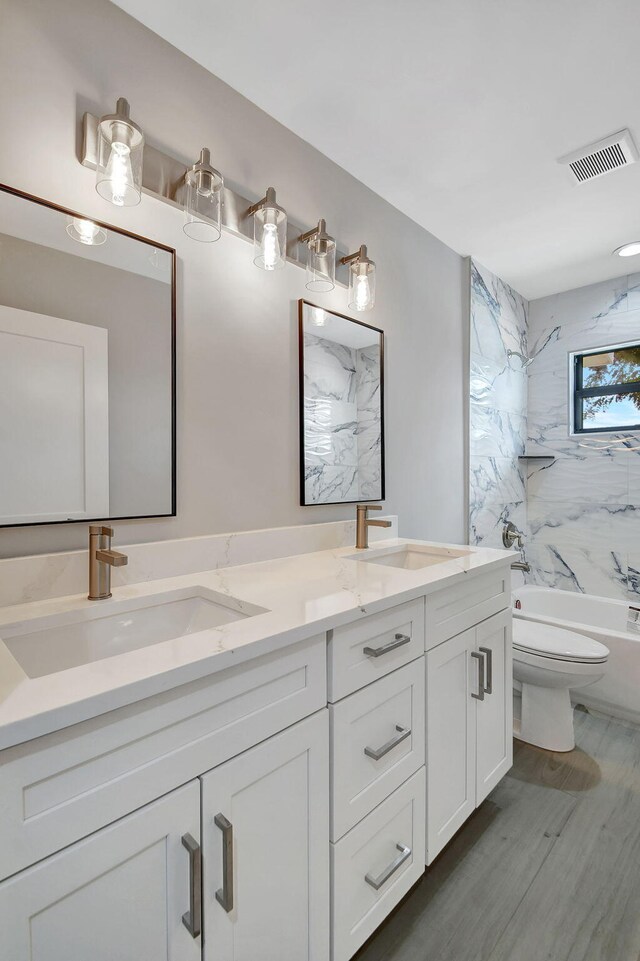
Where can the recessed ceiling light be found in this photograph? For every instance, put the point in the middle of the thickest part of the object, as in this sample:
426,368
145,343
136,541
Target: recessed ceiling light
628,250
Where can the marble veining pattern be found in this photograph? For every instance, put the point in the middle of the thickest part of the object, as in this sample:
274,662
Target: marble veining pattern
497,407
342,422
583,507
301,595
40,577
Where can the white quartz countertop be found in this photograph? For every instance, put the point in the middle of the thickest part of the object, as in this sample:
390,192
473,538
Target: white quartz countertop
303,595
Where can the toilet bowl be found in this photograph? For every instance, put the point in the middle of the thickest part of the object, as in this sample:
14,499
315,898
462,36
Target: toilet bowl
549,662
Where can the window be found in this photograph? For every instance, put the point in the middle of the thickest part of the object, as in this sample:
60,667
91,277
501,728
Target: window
606,389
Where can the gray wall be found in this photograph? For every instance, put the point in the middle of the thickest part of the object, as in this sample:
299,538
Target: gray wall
237,350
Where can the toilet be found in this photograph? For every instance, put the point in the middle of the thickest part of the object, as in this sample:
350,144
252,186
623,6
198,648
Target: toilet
548,662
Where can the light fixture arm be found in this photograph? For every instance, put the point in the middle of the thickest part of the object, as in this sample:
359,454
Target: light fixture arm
269,200
202,167
360,256
316,233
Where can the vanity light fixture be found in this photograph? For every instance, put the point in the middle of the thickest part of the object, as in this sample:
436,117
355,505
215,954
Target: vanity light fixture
321,259
362,280
203,201
119,158
269,232
628,250
86,232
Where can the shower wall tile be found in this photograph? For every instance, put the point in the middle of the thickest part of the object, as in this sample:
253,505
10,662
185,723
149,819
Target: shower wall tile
342,424
584,478
497,407
583,508
586,571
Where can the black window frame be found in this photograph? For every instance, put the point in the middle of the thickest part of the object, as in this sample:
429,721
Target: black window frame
580,392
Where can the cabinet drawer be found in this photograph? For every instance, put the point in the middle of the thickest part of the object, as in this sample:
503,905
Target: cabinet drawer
375,865
452,610
361,652
371,751
63,786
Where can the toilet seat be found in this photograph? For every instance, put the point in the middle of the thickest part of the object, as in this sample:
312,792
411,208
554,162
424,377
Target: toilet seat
556,643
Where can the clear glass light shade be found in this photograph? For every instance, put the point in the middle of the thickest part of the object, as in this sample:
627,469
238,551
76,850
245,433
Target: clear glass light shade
270,237
321,265
119,169
86,232
203,205
362,285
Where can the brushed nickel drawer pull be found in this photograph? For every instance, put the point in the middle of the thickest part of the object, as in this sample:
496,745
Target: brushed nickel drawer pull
224,895
192,920
488,687
399,641
376,883
377,753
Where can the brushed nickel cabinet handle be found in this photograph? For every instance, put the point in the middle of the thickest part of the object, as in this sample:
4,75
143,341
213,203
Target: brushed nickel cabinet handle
398,641
376,883
377,753
488,687
480,658
224,895
192,920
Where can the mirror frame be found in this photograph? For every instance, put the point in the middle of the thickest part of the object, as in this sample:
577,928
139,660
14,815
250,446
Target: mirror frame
172,253
366,500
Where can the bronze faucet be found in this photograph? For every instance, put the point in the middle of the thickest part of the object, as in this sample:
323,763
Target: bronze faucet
363,523
101,560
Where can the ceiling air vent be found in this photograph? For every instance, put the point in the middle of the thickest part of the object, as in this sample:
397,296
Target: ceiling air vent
602,157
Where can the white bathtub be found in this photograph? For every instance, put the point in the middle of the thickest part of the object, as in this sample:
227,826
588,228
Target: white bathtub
604,619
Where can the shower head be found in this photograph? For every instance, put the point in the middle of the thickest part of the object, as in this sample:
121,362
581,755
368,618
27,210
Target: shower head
525,361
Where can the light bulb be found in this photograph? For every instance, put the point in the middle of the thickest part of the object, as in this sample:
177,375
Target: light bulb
270,246
362,280
119,172
362,293
87,230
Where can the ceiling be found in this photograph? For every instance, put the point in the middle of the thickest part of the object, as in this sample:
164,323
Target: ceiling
455,111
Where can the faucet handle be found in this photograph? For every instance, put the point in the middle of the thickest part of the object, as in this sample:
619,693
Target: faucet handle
369,507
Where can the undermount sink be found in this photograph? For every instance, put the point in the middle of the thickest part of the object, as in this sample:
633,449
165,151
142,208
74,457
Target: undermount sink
47,645
410,557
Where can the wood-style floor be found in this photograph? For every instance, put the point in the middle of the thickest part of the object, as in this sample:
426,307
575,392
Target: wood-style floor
547,869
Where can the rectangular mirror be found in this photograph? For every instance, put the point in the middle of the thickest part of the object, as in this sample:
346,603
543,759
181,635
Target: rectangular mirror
341,408
87,368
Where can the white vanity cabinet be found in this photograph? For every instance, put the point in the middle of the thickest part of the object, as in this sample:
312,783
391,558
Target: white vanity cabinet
276,810
265,827
469,724
118,895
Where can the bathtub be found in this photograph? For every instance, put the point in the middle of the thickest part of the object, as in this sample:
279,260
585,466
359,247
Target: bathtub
604,619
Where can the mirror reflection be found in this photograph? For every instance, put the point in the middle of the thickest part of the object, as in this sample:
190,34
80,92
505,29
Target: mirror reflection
341,408
86,369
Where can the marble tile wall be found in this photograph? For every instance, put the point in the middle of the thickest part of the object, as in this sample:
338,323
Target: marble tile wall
584,506
342,423
497,411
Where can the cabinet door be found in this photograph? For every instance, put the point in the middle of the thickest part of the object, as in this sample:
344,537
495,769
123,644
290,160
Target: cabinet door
265,830
452,675
116,896
494,718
